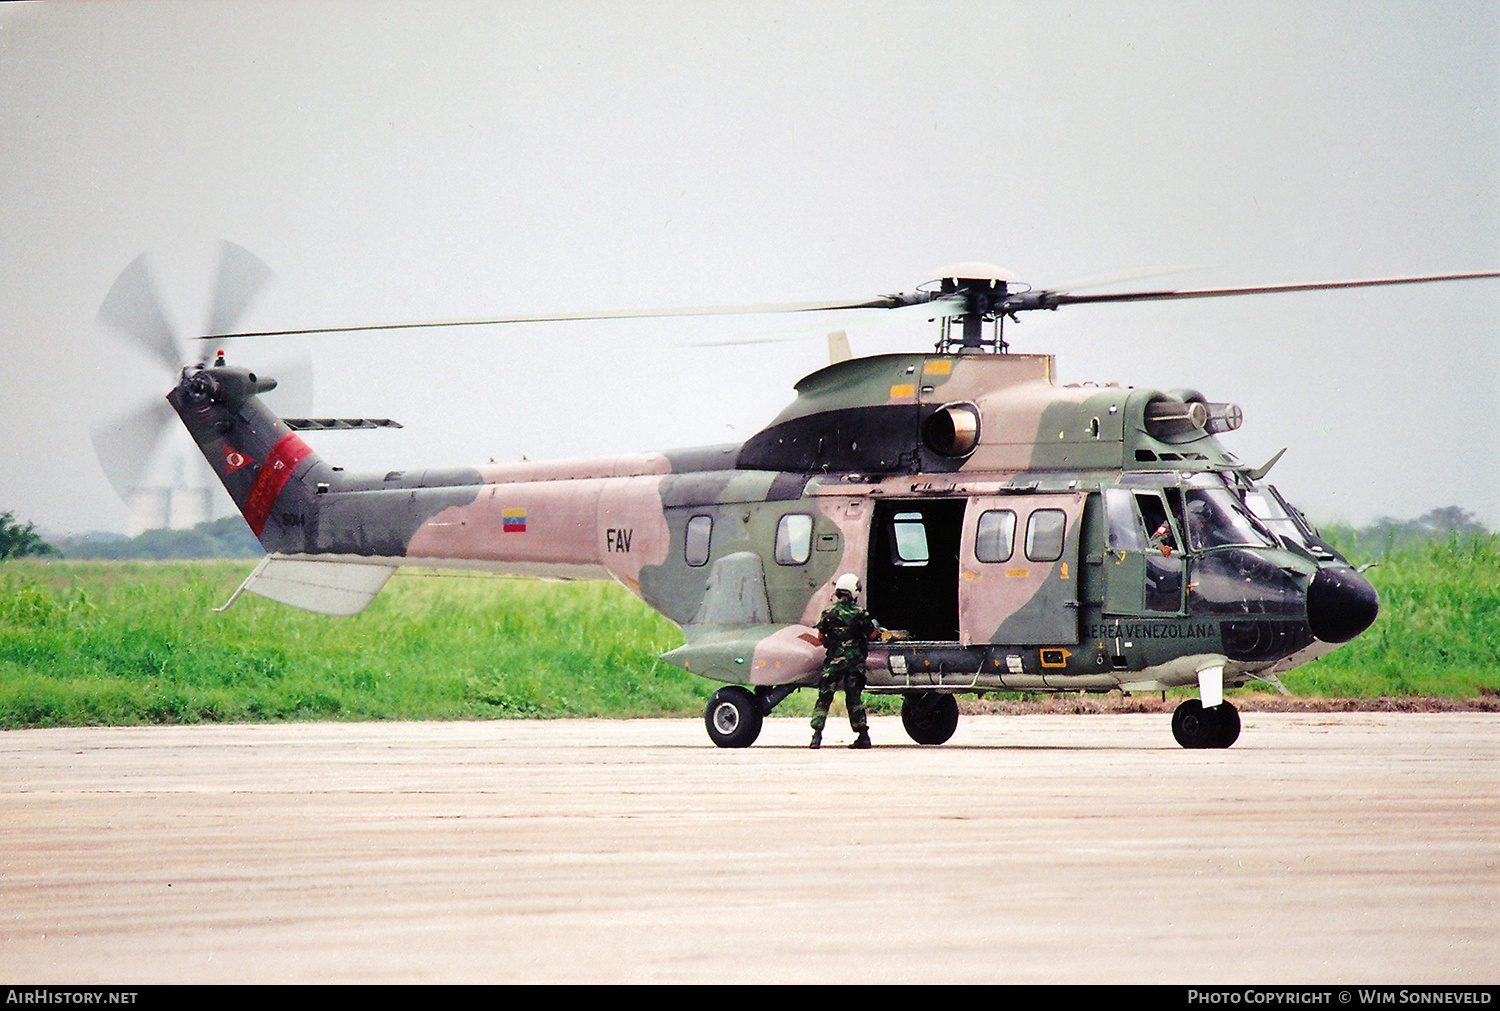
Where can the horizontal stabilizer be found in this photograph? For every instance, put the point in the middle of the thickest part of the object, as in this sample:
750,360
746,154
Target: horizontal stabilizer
324,587
337,424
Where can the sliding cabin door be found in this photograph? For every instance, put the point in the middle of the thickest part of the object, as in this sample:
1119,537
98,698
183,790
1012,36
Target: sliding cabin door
1018,571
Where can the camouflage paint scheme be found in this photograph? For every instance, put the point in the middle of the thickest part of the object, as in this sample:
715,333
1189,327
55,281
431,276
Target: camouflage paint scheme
740,545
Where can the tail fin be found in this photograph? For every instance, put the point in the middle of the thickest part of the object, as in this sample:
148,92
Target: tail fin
270,473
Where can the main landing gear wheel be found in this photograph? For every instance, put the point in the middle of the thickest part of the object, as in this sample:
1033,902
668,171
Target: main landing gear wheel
733,717
929,717
1197,727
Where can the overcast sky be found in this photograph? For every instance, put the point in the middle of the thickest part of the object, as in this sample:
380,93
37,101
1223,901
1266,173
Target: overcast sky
397,162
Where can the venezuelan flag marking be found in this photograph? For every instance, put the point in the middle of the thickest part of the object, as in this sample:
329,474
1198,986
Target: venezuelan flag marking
513,521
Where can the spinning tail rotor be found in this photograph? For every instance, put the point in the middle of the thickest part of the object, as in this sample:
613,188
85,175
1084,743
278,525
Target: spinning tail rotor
127,444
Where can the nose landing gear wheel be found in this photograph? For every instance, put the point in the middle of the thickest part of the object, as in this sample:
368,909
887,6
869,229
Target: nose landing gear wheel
1196,727
929,717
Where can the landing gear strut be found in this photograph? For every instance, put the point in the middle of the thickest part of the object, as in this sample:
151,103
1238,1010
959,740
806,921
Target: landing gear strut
1197,727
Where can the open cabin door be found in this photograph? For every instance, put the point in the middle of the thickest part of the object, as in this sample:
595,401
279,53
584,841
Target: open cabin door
1018,571
911,581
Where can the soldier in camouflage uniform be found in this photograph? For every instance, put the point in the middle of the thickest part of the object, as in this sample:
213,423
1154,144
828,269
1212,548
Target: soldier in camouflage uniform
846,629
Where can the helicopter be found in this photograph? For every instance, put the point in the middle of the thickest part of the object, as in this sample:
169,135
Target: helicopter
1023,536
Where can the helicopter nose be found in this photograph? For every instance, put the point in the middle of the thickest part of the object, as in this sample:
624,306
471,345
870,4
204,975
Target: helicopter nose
1340,604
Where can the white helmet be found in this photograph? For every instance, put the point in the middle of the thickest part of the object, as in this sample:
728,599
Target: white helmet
847,583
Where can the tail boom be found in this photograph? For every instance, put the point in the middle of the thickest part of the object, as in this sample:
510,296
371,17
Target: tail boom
585,520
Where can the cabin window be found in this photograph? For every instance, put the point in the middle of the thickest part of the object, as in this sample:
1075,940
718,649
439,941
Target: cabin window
1044,535
794,539
695,550
995,536
908,539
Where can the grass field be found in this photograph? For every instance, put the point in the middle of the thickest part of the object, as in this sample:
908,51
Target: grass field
137,642
1438,632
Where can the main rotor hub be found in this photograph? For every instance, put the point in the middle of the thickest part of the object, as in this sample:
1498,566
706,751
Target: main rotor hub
984,288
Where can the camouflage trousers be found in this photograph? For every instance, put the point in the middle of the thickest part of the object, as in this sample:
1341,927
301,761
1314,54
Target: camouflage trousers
852,681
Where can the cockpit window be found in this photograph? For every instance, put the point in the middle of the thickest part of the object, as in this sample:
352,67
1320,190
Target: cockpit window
1124,527
1216,519
1161,535
1269,512
1283,520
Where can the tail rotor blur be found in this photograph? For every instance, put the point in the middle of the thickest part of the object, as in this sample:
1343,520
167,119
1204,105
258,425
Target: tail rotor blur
127,444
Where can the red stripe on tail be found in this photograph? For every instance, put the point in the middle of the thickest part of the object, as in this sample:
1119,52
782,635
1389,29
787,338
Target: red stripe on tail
280,463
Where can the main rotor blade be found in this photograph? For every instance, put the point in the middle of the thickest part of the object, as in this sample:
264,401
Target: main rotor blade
936,304
241,277
882,302
126,444
933,306
133,308
1049,300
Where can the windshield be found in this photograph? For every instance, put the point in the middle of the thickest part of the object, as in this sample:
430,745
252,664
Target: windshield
1217,519
1285,521
1269,511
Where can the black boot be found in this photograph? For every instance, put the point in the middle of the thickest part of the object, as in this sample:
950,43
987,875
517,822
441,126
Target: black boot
862,741
817,741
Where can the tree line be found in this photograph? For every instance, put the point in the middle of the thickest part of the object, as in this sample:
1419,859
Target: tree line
227,537
1386,535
